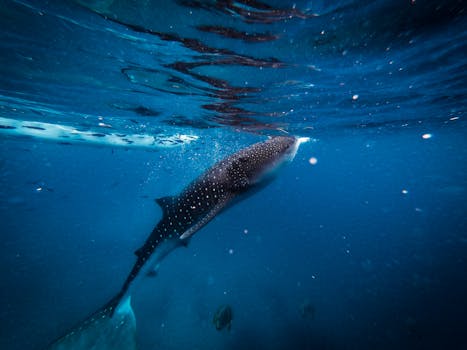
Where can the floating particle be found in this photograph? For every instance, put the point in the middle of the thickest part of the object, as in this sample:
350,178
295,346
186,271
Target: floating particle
245,231
355,97
427,136
313,161
404,191
103,125
231,251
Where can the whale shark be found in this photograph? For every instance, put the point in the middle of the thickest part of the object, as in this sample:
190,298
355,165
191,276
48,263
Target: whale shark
222,185
225,182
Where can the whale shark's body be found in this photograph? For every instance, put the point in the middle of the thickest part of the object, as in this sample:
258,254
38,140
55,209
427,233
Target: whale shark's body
208,195
183,215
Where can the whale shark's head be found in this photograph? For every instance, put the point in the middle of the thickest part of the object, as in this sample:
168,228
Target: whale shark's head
261,160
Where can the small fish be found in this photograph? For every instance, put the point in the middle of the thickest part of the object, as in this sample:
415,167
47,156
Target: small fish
223,317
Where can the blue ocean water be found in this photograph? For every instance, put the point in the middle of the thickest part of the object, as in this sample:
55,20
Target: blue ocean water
360,242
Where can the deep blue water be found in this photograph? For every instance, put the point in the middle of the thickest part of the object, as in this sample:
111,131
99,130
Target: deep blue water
373,236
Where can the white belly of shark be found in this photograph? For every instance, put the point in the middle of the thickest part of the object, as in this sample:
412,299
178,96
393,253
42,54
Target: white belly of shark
69,135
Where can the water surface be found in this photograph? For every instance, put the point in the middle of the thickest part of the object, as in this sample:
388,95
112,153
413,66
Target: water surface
372,236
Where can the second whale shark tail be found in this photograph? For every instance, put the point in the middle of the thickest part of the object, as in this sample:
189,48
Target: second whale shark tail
113,327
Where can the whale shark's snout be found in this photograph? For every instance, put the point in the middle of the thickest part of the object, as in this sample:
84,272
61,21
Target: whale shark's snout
295,143
262,160
287,145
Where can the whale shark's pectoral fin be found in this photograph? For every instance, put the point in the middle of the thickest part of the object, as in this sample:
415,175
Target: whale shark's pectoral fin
205,219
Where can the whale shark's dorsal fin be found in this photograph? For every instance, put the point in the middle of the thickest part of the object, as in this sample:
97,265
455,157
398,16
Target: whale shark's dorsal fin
165,203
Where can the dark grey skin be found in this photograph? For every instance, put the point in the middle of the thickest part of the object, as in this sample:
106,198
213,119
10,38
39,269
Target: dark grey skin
229,179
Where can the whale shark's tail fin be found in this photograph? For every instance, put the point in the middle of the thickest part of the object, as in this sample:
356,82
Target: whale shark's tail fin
112,327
